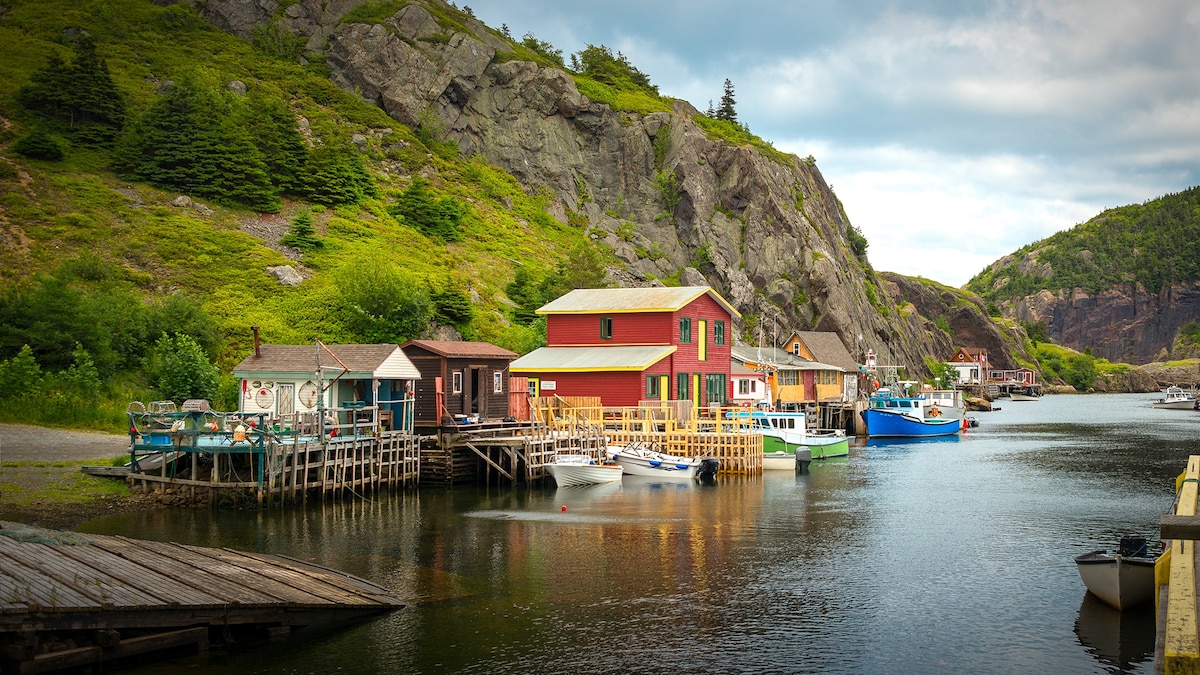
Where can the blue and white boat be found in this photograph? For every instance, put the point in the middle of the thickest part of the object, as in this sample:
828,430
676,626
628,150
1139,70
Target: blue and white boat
900,417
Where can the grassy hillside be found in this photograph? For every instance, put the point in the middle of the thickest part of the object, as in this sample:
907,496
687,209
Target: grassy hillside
1153,244
97,266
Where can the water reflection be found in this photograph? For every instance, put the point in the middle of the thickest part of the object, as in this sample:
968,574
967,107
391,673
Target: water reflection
951,555
1120,640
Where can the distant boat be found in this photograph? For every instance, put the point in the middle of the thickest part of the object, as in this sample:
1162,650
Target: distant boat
1176,399
902,417
1122,580
571,470
1021,396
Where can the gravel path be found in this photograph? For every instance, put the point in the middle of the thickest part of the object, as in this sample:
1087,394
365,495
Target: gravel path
27,443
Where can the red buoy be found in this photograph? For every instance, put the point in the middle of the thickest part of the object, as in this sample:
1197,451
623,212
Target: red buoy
564,508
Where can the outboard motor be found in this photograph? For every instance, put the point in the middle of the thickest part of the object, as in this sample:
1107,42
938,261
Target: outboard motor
707,472
1133,545
803,459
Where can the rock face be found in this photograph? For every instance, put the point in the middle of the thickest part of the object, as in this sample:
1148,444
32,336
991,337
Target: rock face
1123,323
763,229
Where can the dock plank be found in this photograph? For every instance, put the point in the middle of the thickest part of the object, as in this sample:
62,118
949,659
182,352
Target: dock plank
317,590
94,584
185,572
154,584
234,579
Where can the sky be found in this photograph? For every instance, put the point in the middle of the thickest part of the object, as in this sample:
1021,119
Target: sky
953,132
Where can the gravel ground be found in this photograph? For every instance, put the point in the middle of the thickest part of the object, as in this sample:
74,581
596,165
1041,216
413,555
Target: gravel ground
32,491
27,443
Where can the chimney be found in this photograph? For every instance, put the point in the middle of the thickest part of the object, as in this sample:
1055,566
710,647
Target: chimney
257,345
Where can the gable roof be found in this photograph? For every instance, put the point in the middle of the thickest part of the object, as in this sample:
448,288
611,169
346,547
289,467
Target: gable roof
780,359
827,347
589,359
363,361
459,349
627,300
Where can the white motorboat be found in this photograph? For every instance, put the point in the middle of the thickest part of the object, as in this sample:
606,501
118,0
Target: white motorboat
571,470
1123,579
638,460
1176,399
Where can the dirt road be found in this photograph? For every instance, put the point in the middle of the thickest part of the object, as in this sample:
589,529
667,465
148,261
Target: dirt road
27,443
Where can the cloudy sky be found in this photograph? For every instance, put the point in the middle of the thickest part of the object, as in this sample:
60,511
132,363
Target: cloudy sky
953,132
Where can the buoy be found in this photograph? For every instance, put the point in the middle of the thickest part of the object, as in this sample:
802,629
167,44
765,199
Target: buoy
564,508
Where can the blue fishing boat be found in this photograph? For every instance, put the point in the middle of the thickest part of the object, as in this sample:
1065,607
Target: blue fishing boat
900,417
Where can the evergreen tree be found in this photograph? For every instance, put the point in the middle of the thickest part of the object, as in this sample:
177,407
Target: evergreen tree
277,138
433,217
333,176
80,95
726,110
301,234
181,370
191,140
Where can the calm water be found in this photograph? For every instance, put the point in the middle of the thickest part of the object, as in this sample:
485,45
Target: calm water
916,557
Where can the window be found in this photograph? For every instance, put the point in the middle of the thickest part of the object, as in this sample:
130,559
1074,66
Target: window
652,386
682,386
788,378
744,387
456,382
606,327
796,348
714,385
498,382
718,332
685,330
828,377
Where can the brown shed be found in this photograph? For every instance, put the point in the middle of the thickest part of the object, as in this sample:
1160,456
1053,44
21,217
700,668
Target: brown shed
464,379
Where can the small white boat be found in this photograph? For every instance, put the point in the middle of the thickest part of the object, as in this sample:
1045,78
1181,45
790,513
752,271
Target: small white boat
1031,395
1122,580
637,460
571,470
1176,399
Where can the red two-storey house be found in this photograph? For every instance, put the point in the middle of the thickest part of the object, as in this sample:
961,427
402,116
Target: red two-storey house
627,345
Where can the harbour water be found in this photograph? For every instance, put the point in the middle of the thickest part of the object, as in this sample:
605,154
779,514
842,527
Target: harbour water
936,556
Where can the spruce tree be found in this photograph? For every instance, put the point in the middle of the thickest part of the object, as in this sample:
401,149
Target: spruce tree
80,96
726,110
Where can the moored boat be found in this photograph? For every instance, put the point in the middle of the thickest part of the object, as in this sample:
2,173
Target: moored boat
1122,580
1029,395
1176,398
638,460
902,417
785,432
571,470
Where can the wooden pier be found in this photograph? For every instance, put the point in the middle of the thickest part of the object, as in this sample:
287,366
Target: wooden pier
1177,640
206,456
73,601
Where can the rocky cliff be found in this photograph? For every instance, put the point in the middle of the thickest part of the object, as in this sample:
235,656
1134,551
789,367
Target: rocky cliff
1124,323
763,228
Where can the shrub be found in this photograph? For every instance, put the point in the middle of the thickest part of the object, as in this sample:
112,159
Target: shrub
40,145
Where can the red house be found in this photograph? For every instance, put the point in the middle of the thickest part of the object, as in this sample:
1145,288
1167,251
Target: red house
627,345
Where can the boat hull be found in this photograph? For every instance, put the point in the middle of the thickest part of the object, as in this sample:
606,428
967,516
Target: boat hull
569,475
635,462
1120,581
825,447
1175,405
779,461
887,424
1023,397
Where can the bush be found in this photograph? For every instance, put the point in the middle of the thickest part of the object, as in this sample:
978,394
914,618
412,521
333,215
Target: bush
180,369
40,145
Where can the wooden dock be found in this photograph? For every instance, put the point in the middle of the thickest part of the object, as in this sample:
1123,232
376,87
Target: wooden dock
1177,640
71,601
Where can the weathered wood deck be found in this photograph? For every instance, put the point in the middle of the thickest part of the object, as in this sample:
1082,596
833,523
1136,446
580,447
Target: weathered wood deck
1177,640
99,598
